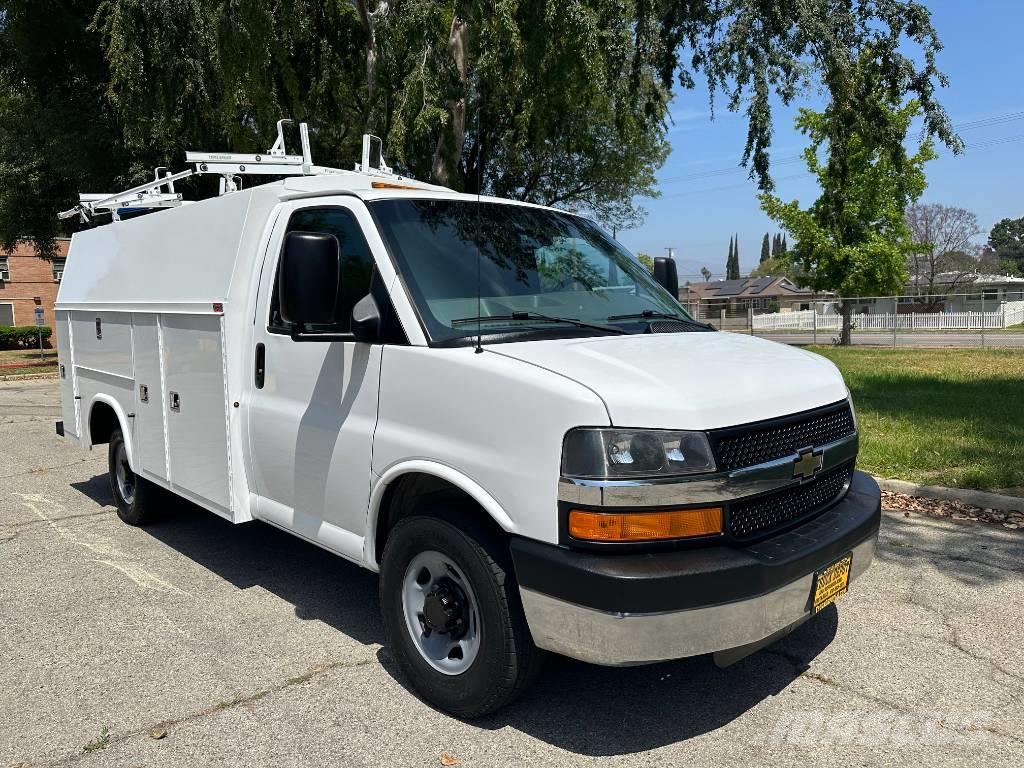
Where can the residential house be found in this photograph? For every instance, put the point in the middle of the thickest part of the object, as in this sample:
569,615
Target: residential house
955,292
738,297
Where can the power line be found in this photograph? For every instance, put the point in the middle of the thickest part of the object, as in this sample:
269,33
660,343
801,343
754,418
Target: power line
744,184
789,160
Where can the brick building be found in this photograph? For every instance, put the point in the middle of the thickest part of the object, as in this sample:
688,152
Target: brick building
28,281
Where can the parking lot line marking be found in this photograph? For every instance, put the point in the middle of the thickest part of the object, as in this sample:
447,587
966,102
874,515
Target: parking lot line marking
109,554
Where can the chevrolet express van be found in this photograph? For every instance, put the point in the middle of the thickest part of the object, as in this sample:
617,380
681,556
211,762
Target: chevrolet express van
492,404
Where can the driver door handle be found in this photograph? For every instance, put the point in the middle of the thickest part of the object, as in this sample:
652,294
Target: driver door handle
260,368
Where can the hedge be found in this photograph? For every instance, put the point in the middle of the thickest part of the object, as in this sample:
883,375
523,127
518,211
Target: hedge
14,336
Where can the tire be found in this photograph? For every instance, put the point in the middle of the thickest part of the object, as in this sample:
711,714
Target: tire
134,497
503,661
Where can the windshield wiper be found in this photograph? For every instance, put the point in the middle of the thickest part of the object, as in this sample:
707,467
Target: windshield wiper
516,316
649,314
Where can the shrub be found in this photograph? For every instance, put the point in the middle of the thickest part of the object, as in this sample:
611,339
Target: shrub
26,336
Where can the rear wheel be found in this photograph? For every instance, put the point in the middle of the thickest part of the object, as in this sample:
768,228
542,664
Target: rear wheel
133,495
452,615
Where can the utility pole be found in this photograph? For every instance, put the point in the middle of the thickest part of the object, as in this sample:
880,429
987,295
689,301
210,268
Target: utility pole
671,251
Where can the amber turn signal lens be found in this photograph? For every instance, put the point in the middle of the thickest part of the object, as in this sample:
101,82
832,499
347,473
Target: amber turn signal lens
644,526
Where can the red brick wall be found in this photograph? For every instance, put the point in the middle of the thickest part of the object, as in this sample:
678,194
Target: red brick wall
31,277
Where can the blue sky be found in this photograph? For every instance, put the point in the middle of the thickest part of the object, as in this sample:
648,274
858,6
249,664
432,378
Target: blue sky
706,197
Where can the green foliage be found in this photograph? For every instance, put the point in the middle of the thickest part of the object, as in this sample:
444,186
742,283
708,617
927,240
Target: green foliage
1007,240
57,130
553,101
853,240
766,249
778,266
647,260
20,336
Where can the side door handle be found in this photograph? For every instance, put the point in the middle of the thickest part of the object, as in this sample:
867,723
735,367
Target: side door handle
260,368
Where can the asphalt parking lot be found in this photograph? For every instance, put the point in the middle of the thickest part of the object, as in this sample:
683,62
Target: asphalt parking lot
194,642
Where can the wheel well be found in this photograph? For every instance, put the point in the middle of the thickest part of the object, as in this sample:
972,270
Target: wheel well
102,423
410,494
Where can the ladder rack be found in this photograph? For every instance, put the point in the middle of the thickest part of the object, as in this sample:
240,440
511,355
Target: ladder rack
276,161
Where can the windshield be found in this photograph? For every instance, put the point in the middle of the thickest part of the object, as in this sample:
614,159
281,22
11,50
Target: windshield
536,267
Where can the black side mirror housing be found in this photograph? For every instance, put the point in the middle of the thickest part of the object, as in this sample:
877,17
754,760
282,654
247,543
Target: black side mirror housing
310,278
666,275
366,320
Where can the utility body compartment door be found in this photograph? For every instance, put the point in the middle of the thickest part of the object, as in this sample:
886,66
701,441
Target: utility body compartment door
196,408
148,426
69,404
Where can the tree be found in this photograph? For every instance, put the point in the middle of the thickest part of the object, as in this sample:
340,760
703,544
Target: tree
553,102
706,274
943,241
765,250
854,239
1007,240
785,246
779,267
732,263
647,260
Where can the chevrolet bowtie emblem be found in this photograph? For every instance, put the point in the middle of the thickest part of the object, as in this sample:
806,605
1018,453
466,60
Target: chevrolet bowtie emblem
807,465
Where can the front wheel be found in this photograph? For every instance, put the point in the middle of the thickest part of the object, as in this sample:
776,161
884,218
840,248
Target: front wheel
133,495
452,615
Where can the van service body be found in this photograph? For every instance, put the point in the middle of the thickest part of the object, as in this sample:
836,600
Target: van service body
490,403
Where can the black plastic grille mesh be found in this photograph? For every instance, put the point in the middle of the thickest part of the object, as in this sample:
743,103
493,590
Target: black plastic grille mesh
675,326
738,447
767,513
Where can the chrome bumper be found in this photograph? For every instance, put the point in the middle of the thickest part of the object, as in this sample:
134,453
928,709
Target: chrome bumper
621,639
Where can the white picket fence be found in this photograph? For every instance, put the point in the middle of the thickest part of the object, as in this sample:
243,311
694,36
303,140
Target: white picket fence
1009,313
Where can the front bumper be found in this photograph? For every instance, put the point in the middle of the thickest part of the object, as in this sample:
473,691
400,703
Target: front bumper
638,608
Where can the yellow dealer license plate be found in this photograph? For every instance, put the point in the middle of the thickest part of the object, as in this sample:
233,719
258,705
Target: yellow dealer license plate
830,583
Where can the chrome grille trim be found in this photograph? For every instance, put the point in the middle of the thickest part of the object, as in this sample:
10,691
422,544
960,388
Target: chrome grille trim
699,489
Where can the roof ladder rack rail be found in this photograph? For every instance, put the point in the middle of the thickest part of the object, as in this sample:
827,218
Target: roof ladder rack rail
146,195
230,166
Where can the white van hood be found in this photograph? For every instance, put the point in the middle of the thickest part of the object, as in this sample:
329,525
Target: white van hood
688,380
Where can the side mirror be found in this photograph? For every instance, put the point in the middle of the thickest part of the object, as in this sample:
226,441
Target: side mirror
366,320
666,276
310,278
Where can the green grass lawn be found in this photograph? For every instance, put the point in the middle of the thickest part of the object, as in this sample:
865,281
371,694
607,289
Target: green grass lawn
950,417
29,357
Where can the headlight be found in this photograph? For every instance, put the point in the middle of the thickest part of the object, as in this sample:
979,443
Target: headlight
592,452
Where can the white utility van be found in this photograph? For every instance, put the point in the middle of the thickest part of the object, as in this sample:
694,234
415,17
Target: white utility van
493,404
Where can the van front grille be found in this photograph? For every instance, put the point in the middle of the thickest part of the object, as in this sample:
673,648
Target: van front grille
768,513
750,444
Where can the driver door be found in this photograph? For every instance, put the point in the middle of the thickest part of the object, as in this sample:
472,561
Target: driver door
314,401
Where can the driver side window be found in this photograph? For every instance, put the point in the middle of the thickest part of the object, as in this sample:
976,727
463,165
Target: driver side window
357,265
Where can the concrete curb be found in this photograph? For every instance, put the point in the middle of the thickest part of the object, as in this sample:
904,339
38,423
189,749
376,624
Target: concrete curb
28,376
982,499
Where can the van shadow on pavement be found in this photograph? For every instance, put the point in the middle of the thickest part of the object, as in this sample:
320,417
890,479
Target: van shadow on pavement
603,711
320,585
585,709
